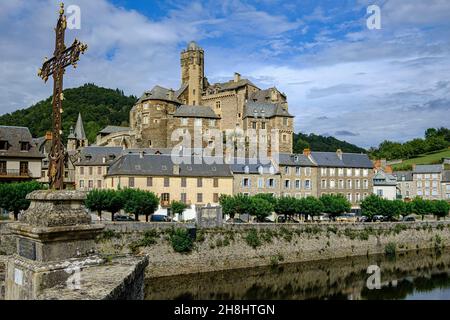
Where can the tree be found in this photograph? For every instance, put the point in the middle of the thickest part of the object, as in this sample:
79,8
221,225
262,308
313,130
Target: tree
286,206
228,205
140,202
114,202
97,200
440,208
178,207
12,196
260,208
372,206
335,205
312,206
422,207
242,204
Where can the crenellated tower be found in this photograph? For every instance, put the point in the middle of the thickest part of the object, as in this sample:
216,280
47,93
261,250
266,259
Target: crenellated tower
193,72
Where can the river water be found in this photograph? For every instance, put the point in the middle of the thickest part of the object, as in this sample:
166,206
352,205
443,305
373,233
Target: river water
412,275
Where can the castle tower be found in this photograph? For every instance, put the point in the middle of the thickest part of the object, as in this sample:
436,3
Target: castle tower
193,72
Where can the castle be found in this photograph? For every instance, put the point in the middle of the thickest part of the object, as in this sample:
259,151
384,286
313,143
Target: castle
236,104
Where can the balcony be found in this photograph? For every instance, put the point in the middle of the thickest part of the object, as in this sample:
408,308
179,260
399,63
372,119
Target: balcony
15,174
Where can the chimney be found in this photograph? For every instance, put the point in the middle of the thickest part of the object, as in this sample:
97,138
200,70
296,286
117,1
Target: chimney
388,169
48,135
170,94
273,95
141,154
176,169
307,152
414,166
339,153
237,77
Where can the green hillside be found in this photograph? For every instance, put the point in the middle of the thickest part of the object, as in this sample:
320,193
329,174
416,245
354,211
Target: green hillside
99,107
321,143
429,158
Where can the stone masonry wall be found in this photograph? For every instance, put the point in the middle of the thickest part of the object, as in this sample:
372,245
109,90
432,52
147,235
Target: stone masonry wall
242,246
7,242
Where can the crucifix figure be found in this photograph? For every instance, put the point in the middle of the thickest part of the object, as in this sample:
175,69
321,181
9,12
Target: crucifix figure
56,66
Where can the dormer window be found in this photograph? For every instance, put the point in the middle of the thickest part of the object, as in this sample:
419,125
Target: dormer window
24,146
3,145
246,170
112,157
88,157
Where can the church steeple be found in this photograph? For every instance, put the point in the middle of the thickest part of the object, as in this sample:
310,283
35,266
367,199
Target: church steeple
79,129
77,138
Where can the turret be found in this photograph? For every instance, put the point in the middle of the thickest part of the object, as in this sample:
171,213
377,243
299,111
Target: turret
193,72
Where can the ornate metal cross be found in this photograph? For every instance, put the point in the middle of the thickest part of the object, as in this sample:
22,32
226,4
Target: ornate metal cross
56,66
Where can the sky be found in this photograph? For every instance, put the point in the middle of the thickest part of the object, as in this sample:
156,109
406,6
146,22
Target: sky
343,79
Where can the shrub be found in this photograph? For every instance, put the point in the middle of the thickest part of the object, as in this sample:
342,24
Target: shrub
109,234
286,234
390,249
181,241
399,228
253,239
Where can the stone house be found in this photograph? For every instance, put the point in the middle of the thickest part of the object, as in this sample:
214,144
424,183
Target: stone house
349,174
406,188
251,177
385,185
427,180
194,184
445,185
298,175
20,159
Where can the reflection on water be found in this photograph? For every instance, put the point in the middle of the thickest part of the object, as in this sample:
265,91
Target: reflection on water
412,275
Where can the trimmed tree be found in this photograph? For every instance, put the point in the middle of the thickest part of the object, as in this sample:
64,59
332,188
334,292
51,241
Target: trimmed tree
422,207
140,202
12,196
260,208
242,204
114,202
312,206
335,205
178,207
286,206
97,200
440,209
228,205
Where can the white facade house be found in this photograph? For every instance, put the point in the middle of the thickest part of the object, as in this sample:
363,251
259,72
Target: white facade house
385,185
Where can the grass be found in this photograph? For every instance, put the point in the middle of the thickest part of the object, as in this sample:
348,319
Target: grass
428,158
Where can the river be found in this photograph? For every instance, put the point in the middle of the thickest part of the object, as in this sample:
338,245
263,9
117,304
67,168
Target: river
412,275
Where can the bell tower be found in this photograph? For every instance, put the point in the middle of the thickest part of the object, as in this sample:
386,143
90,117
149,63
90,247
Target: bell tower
193,72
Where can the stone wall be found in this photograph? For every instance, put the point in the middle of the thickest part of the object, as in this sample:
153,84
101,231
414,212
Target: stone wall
2,277
7,242
243,245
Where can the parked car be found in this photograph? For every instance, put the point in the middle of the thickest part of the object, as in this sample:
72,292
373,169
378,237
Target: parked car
265,220
346,217
378,218
123,218
288,219
364,219
160,218
409,219
236,220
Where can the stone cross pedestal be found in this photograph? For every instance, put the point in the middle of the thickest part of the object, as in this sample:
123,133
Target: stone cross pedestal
55,238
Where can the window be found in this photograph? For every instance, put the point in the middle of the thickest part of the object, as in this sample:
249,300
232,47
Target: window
198,122
307,171
183,182
99,170
365,172
23,168
263,125
284,137
81,170
99,184
349,197
271,183
357,197
323,171
166,182
366,184
419,192
341,184
91,171
358,184
90,184
215,182
427,176
212,123
297,184
357,172
380,192
81,183
323,184
260,183
341,172
217,104
332,171
165,197
183,197
4,172
419,184
287,170
287,184
131,182
3,145
199,197
24,146
435,176
332,184
253,125
215,197
298,171
199,182
349,172
184,121
308,184
149,182
145,119
349,184
246,182
285,121
155,121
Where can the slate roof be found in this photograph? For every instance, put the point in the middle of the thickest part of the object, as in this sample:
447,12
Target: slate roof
428,168
403,174
382,178
158,93
79,129
14,136
267,110
288,159
91,156
114,129
349,160
162,165
195,112
252,166
231,85
263,95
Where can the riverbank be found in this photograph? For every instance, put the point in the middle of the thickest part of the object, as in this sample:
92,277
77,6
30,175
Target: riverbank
247,245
